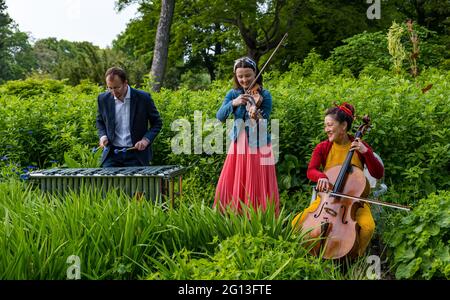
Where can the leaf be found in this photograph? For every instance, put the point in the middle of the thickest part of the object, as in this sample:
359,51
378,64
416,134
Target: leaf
433,229
286,181
442,253
423,240
447,271
396,239
275,274
429,268
419,228
403,254
408,220
444,221
70,162
406,271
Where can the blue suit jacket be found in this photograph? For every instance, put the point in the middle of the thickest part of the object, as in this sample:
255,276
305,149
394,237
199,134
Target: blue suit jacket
142,111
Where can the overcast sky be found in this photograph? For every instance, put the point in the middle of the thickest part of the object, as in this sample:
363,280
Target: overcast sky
95,21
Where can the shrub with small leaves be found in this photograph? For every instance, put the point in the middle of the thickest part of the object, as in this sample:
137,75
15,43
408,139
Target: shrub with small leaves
419,242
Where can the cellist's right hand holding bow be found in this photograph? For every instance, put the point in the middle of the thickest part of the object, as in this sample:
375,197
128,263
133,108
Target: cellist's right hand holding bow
323,185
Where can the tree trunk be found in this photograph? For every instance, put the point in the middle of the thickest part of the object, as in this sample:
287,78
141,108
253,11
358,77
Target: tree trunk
272,36
160,52
209,64
420,10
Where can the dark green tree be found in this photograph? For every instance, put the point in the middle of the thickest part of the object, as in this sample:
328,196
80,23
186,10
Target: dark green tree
432,14
16,59
75,61
364,49
207,36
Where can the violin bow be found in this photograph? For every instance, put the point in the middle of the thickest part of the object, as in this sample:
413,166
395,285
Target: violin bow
260,72
267,62
393,205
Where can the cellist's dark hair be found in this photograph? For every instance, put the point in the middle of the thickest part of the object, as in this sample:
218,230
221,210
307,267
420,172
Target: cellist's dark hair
245,62
339,115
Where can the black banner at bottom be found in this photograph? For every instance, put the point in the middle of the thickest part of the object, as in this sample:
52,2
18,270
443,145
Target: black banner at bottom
214,289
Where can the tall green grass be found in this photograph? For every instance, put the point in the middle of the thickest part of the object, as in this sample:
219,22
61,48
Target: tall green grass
117,237
110,234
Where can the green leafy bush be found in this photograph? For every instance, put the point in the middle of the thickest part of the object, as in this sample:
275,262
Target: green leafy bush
371,49
33,87
362,50
419,242
83,157
407,131
245,257
39,128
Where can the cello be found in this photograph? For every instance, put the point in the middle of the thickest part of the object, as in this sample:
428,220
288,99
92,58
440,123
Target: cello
333,223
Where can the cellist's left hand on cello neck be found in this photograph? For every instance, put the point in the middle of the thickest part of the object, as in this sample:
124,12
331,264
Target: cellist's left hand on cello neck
359,146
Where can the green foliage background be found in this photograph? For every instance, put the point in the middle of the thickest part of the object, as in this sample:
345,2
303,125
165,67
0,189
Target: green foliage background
206,37
48,120
44,121
420,241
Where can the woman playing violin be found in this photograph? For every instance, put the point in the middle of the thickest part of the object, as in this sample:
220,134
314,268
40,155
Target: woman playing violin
332,152
248,175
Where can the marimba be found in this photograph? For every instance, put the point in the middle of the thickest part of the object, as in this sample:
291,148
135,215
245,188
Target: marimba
152,182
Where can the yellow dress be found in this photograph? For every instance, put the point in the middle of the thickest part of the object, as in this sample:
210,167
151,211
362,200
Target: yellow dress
364,218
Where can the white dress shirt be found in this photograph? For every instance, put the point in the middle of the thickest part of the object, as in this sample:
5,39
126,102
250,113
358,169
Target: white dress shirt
122,121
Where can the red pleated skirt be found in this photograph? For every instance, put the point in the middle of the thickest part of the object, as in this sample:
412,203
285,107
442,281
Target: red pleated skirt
248,177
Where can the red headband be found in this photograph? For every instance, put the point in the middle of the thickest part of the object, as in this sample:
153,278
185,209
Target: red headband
345,109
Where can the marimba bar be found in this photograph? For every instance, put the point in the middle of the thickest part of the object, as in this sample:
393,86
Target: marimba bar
152,182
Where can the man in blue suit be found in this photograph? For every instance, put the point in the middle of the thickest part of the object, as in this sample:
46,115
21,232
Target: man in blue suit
123,119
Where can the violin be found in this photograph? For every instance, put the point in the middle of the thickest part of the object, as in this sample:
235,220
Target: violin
333,223
254,89
255,99
255,93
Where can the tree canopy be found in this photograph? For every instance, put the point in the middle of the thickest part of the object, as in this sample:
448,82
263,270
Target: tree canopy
205,38
16,59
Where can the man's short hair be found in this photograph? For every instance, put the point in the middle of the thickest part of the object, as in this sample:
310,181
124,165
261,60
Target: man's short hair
116,71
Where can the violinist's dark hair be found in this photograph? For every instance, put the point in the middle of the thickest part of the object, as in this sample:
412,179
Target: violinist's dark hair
245,62
339,114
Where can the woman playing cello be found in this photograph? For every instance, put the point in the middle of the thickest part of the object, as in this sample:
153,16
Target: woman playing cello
332,152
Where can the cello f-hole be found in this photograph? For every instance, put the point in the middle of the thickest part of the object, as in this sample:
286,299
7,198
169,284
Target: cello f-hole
320,211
